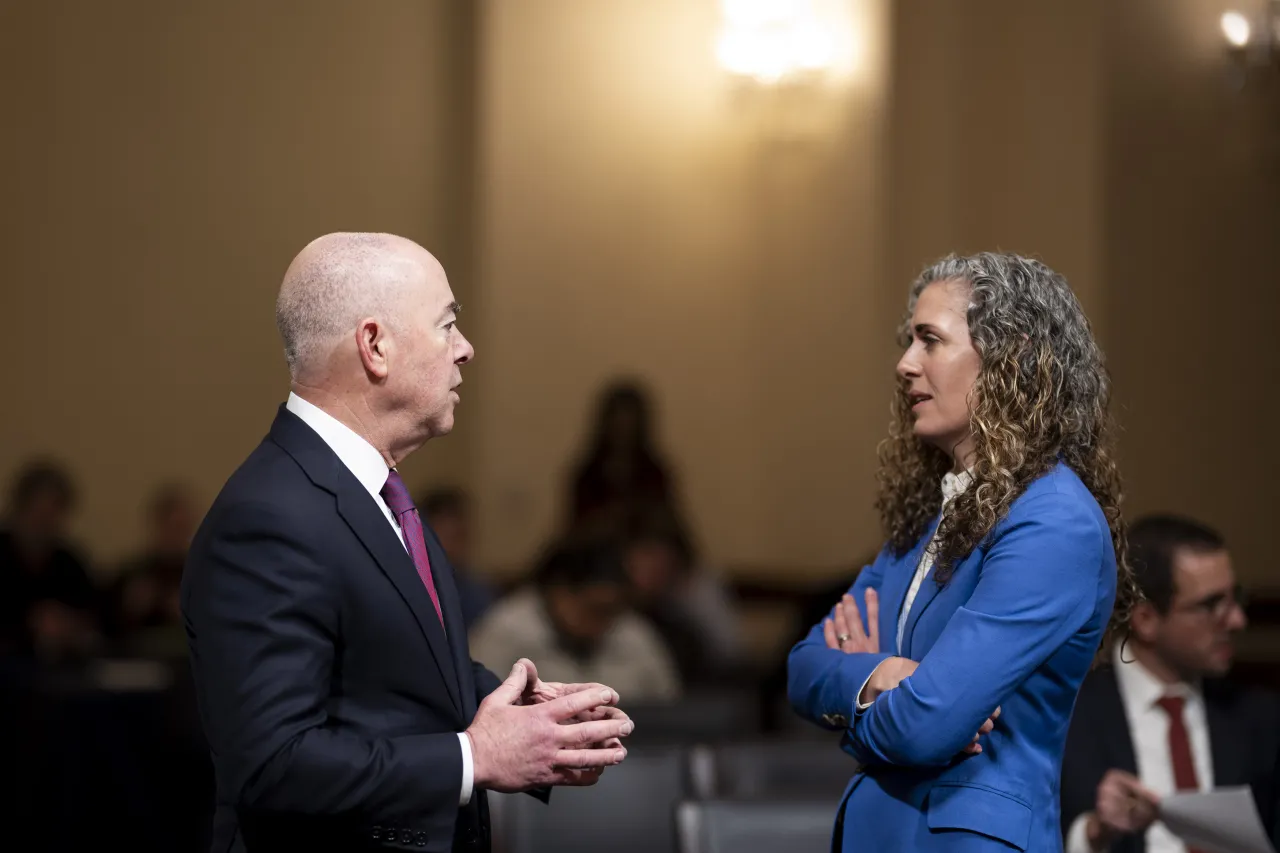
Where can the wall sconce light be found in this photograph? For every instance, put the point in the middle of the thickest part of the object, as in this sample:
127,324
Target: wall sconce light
774,40
1253,43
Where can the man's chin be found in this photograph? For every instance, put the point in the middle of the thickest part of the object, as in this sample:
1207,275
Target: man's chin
441,426
1220,663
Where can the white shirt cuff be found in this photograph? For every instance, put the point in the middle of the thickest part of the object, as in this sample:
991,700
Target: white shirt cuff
468,769
858,706
1077,838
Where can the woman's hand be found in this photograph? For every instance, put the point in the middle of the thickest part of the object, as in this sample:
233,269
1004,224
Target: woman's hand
844,631
889,674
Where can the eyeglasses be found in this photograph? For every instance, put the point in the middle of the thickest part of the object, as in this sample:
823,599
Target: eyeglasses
1219,605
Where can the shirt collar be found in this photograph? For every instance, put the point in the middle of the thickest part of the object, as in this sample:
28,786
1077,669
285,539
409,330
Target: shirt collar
1141,690
360,457
955,484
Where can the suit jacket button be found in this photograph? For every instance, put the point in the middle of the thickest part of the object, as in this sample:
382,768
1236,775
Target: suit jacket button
377,833
838,720
420,838
406,836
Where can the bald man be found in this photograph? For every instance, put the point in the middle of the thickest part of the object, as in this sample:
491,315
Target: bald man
342,707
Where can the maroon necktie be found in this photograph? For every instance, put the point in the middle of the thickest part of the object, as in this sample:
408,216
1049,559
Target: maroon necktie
1184,768
401,504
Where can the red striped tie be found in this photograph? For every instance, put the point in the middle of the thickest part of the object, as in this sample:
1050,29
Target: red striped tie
401,504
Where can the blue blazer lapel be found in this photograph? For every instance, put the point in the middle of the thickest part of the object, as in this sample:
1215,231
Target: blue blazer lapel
894,594
924,597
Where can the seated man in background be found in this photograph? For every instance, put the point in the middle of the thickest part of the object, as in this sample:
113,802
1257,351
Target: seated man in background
1162,718
448,512
574,621
143,600
48,604
690,606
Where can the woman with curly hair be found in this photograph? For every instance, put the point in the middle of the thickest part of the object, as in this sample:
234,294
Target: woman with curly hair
953,663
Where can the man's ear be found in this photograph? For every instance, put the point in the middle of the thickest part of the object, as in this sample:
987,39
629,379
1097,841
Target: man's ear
373,346
1145,621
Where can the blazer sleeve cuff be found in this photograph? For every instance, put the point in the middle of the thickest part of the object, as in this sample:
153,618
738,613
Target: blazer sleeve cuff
860,707
840,692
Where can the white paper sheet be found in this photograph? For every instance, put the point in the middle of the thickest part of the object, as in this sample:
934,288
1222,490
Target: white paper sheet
1221,821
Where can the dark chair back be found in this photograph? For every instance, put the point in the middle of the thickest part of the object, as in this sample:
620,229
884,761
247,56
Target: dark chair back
757,826
630,810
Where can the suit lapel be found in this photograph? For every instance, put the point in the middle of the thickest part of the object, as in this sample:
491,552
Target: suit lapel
1224,741
928,591
451,605
371,526
1114,731
363,515
901,583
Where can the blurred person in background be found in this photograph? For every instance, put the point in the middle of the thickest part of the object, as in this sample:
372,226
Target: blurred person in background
448,512
1162,716
622,471
575,619
144,597
692,608
49,606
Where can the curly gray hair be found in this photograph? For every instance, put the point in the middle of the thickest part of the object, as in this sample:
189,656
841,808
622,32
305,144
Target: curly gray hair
1014,297
1041,396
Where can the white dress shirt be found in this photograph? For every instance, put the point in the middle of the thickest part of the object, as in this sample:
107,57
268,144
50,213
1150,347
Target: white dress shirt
366,463
1149,728
952,485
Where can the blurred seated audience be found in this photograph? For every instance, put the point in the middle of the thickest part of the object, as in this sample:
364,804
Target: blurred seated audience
575,624
691,608
621,471
1163,717
48,604
813,605
142,602
448,513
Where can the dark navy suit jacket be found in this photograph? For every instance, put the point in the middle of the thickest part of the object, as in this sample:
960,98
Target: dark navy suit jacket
329,692
1017,626
1244,743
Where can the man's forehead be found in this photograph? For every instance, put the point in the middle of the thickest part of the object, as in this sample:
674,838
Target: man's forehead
438,286
1197,571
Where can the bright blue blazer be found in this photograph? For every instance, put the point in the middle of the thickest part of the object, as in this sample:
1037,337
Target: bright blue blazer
1017,627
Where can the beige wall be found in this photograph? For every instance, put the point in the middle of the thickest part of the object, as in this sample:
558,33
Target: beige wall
640,214
1104,137
996,128
167,162
1193,205
633,211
